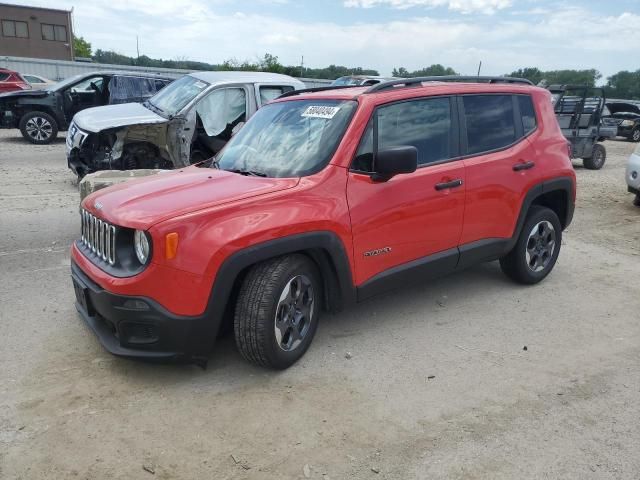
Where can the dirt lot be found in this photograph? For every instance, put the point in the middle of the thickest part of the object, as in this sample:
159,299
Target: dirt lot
439,384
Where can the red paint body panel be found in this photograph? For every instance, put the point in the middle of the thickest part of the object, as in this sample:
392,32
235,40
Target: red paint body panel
13,82
405,214
218,213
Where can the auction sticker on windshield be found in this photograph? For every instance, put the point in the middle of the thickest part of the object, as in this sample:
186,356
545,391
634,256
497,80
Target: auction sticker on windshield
319,111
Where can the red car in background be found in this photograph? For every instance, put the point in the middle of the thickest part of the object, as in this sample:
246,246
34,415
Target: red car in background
11,81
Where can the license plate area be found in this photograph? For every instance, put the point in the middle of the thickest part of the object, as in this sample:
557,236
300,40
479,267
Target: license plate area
82,297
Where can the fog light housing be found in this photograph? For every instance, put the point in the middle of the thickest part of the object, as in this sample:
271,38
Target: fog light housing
139,333
135,305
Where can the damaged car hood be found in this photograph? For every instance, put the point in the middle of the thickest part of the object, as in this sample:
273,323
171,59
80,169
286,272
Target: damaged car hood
24,93
150,200
97,119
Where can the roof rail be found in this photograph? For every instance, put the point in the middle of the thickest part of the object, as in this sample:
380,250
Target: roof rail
411,82
316,89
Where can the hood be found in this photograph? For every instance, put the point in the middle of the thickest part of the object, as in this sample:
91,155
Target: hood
96,119
144,202
621,107
24,93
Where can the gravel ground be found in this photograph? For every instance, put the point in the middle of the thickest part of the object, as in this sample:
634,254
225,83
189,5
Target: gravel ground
438,385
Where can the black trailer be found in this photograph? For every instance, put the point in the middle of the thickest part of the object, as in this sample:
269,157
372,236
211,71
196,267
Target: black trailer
579,109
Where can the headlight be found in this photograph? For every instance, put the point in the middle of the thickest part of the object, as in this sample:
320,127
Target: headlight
141,246
627,123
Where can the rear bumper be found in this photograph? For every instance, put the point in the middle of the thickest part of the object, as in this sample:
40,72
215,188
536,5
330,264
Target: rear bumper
138,327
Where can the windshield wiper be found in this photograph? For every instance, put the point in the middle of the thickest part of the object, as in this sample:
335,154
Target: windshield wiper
147,103
248,173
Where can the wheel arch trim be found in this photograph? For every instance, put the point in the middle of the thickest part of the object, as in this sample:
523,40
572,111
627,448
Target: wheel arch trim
560,184
324,248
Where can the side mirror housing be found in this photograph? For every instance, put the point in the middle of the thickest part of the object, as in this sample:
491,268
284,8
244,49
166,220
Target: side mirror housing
393,161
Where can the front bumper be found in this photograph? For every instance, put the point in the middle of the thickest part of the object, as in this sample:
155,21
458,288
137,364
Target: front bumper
7,119
625,131
633,174
138,327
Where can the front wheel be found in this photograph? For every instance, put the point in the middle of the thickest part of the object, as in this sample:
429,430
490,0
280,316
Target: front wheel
635,135
537,248
277,311
597,158
39,128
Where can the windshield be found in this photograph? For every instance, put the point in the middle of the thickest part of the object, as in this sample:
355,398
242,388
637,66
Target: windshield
175,96
288,139
66,82
346,81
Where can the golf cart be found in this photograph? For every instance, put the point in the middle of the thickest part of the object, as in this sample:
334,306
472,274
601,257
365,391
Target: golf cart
579,109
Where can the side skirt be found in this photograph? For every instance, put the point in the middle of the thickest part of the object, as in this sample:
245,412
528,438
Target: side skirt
434,266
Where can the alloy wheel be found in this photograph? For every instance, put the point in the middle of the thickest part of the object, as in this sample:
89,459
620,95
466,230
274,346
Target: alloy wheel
540,246
294,313
635,136
39,128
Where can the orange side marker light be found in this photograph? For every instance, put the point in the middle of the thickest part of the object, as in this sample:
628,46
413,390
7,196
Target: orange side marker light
171,245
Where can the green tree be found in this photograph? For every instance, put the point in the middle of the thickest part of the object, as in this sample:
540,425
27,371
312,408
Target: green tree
435,70
559,77
81,48
535,75
624,85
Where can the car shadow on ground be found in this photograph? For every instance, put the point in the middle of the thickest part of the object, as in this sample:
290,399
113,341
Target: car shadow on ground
227,365
20,140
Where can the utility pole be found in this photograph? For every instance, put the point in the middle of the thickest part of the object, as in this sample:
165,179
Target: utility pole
302,67
479,67
137,50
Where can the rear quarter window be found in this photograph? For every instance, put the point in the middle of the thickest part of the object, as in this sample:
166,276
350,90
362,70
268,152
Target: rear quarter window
3,77
527,113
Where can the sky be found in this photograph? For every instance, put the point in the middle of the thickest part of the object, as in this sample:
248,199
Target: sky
380,34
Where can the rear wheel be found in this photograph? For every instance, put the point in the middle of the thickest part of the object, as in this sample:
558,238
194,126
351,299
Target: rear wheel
537,248
597,159
39,128
277,311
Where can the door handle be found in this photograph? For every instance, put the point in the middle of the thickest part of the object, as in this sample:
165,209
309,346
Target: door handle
518,167
451,184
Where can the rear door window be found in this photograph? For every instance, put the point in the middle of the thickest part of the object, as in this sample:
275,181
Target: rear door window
489,122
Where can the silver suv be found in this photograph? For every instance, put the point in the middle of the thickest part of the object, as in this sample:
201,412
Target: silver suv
633,175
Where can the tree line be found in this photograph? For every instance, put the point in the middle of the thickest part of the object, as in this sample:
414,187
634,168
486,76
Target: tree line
268,63
624,84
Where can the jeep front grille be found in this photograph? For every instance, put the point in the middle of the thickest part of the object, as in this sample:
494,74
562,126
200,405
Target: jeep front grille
99,237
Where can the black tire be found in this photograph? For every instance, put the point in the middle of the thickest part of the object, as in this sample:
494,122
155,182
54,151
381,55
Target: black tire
635,135
39,128
597,158
517,265
636,201
260,302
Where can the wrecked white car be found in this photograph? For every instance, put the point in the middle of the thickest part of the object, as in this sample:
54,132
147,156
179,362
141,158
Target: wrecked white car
188,121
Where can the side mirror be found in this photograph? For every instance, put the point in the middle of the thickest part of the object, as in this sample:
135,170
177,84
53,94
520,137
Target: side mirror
394,161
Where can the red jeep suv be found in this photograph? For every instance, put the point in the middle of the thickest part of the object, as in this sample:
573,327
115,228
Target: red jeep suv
326,197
